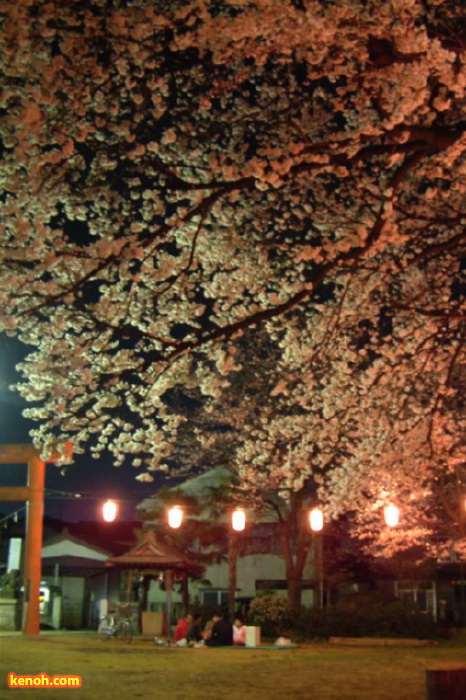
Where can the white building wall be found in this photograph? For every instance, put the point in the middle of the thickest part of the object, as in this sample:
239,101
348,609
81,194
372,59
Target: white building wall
250,569
258,567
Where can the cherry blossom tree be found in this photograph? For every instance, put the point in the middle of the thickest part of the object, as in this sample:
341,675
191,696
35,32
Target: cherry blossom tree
176,175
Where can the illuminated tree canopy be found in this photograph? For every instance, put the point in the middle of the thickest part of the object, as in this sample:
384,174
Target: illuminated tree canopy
179,176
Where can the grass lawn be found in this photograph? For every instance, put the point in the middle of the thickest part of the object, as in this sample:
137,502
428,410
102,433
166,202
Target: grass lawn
111,670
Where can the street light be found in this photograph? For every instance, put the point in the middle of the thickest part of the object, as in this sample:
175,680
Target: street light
316,521
238,524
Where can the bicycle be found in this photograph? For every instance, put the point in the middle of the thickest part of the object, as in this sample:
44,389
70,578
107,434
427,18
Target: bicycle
117,623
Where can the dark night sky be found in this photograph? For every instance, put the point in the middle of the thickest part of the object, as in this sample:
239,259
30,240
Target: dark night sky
95,480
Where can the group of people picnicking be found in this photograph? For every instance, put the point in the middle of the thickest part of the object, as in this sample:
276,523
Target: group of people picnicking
218,632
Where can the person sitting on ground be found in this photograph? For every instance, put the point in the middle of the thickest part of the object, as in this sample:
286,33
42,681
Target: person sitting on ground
195,630
180,636
222,634
208,628
239,632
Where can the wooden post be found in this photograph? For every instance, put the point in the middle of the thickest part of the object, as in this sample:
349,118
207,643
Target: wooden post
232,565
185,591
319,584
169,594
447,683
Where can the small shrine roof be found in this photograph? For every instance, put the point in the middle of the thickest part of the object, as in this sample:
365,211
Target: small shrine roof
153,553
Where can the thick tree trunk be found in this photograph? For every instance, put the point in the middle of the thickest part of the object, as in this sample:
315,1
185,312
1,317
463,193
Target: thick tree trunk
295,590
295,543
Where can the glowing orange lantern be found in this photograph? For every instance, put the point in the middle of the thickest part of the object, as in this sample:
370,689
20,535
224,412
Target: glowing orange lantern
238,519
316,519
392,515
175,517
109,511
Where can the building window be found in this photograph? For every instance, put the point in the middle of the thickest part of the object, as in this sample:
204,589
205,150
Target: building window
417,594
215,598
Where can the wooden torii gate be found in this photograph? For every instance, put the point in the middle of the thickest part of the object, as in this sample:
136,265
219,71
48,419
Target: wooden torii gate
33,494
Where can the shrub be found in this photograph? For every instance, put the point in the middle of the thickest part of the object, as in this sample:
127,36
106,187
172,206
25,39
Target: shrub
272,613
390,618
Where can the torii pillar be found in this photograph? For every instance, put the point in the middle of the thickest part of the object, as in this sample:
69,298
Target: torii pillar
33,493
